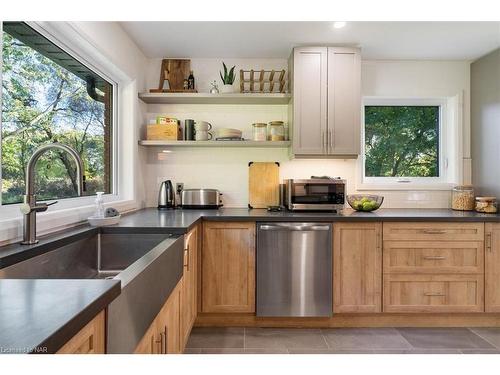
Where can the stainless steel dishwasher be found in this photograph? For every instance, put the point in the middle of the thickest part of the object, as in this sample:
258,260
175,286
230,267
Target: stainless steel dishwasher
294,269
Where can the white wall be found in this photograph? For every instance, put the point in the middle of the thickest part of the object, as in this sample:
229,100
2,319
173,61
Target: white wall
227,169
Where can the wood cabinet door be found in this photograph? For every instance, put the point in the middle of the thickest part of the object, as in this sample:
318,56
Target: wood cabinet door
310,70
150,342
357,265
168,324
228,267
492,267
189,297
89,340
344,101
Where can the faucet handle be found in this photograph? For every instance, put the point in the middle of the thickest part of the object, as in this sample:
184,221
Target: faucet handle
25,208
50,204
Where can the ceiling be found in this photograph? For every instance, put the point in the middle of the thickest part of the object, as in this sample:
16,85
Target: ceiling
378,40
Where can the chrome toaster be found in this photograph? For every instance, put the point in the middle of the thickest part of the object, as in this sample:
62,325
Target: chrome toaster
201,198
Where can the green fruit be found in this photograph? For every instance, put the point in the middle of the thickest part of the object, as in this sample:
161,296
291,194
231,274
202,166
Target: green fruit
364,199
367,206
374,203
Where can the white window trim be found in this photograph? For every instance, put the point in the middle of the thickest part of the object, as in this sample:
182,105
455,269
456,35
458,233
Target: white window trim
449,163
70,211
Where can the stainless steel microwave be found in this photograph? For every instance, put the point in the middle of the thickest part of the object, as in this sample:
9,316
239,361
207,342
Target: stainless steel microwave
315,194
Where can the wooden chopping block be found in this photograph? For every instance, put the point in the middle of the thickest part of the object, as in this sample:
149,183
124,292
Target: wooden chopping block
263,184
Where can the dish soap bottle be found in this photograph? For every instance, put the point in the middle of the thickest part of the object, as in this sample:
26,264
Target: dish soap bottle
99,205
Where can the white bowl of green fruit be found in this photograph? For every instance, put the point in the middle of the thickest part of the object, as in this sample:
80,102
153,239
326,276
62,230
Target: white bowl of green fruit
365,202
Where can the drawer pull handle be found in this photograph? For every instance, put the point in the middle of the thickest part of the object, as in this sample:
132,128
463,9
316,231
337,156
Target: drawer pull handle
434,294
434,257
433,231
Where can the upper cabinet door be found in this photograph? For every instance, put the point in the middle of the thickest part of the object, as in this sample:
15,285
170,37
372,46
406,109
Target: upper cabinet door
344,101
310,69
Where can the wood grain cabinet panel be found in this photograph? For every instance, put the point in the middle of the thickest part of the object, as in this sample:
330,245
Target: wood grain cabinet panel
168,323
89,340
492,267
433,257
433,293
164,334
150,343
228,267
189,297
357,264
434,231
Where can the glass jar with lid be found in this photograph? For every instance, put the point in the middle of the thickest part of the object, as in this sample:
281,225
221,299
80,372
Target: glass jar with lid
259,131
462,198
276,131
486,205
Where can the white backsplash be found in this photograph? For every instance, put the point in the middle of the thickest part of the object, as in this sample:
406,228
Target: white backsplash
227,170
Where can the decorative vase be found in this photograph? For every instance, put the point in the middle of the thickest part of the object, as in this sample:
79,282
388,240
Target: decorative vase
227,89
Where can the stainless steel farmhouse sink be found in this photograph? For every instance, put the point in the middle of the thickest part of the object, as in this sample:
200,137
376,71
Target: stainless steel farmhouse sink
148,266
99,256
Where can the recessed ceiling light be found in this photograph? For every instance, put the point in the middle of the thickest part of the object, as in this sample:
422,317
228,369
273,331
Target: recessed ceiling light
166,151
339,24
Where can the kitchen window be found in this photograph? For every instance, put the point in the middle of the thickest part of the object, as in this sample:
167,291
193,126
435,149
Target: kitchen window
50,96
409,143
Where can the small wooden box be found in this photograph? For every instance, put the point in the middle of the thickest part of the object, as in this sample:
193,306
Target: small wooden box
164,132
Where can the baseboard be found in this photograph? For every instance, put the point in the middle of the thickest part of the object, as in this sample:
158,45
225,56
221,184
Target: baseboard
352,320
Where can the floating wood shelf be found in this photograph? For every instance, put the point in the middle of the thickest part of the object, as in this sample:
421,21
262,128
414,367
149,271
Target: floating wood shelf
221,144
204,98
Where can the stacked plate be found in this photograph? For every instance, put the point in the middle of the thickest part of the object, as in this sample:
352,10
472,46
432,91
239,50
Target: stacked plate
228,134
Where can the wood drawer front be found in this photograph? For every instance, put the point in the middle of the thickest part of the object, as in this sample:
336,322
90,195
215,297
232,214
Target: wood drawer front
89,340
433,293
433,257
433,231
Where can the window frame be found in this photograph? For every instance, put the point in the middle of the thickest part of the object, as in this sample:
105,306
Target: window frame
12,210
443,181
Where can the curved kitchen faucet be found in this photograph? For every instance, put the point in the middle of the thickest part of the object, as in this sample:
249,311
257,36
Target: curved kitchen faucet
29,208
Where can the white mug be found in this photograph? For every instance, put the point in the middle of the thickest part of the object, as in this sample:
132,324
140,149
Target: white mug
202,126
202,135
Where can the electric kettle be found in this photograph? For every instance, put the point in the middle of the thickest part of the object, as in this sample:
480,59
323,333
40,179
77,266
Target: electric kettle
166,196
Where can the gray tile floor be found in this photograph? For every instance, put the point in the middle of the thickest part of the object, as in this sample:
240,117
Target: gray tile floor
344,341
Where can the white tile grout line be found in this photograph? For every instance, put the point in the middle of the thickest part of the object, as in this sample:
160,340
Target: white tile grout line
324,338
404,338
471,329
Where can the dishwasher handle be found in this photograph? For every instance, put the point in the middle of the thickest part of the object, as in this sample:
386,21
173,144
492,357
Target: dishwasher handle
291,227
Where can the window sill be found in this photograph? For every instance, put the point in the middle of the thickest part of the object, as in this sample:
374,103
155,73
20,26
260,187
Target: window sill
11,227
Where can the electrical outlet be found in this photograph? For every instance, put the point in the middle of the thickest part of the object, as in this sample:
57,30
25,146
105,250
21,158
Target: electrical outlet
179,187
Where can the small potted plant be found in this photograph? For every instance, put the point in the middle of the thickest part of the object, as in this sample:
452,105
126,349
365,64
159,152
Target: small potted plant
227,79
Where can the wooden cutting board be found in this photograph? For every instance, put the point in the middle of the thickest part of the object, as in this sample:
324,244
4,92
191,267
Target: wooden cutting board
263,184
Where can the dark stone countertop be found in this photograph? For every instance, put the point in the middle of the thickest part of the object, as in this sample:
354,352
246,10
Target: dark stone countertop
179,221
42,315
47,313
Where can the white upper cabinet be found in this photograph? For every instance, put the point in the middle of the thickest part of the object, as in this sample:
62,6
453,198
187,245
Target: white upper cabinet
309,90
326,103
